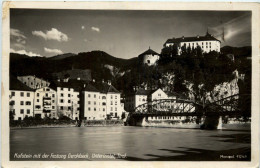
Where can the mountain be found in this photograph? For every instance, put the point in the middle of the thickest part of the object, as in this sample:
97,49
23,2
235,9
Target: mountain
94,61
62,56
239,52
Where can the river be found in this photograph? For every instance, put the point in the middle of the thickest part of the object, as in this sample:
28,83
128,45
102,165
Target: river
129,143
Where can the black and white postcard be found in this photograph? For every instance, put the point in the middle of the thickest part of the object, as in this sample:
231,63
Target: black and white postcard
130,84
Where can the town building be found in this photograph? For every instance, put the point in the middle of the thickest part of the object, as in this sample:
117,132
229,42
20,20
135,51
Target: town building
135,99
142,96
21,99
149,57
68,98
45,103
101,101
33,81
207,43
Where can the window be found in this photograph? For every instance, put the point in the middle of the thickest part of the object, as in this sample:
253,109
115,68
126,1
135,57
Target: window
111,96
21,102
47,89
68,89
53,107
111,108
159,95
61,88
46,94
37,106
28,94
148,61
77,96
103,97
13,93
53,95
68,95
103,109
68,101
115,109
89,109
61,100
28,111
28,103
94,95
88,95
94,103
38,100
69,108
38,94
12,102
111,102
21,94
61,107
88,102
95,109
61,94
103,103
22,111
31,83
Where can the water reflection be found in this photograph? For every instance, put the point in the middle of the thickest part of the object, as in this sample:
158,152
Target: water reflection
138,143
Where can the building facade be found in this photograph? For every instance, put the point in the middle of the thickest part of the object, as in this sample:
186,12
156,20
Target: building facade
21,100
33,82
207,43
101,101
45,103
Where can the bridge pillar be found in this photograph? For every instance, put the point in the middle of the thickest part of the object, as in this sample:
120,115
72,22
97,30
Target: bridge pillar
219,127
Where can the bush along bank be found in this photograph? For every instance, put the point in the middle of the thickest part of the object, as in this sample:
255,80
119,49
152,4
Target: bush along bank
62,122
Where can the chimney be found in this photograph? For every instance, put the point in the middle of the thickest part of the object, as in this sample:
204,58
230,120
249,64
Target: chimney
102,80
58,79
84,86
182,37
198,36
78,78
94,80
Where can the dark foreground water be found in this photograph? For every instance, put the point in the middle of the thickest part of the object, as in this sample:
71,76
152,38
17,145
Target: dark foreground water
129,143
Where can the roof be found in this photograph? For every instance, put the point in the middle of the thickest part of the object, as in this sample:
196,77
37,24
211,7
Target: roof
90,88
15,84
207,37
75,84
148,52
142,92
106,88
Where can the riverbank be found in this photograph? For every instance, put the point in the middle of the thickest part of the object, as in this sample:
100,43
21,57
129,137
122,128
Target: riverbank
63,123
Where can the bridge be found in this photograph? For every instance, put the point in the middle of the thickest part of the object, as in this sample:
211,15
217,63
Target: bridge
232,106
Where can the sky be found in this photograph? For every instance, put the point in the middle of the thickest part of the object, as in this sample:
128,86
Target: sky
120,33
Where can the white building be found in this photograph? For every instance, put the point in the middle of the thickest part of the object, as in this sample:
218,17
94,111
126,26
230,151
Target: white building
101,101
68,99
207,43
21,99
149,57
142,96
137,98
45,103
33,82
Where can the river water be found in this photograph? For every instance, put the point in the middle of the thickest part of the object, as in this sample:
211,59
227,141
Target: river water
128,143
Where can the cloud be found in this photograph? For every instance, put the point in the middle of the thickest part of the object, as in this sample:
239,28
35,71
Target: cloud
82,27
31,54
95,29
53,51
17,33
52,34
233,28
18,39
